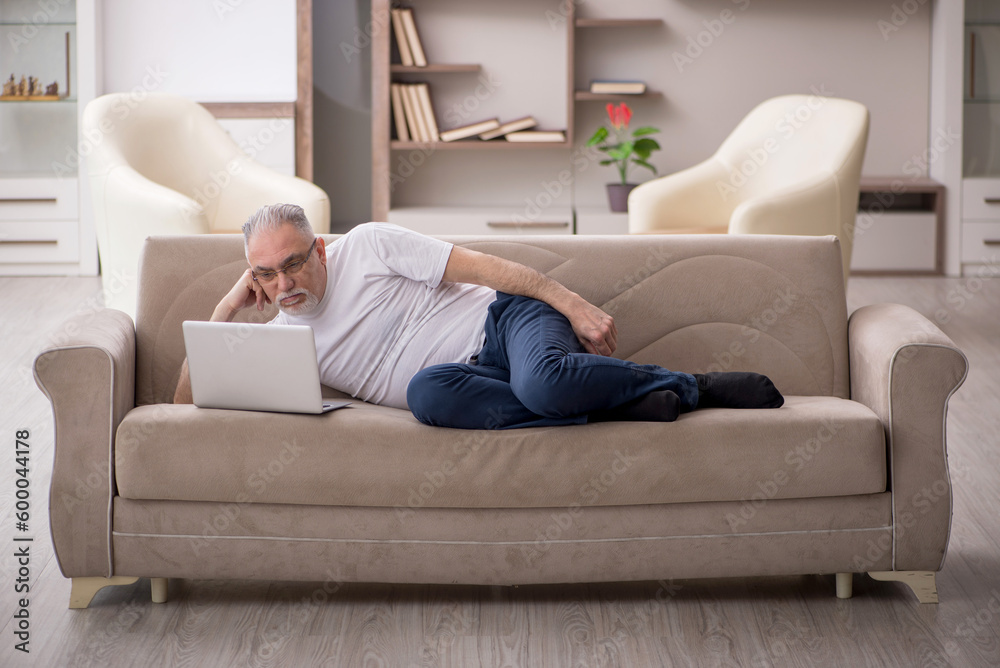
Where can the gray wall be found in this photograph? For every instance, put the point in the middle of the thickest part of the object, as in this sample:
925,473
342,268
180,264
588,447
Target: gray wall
342,112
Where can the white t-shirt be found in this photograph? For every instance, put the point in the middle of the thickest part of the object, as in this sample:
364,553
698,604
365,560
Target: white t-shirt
386,314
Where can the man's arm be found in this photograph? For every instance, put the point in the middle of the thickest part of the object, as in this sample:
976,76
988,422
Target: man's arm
595,328
245,293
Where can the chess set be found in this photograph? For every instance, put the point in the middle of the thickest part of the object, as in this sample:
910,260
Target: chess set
31,88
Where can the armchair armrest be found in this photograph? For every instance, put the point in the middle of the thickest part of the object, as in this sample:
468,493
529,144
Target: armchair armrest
255,185
688,199
90,380
807,208
905,369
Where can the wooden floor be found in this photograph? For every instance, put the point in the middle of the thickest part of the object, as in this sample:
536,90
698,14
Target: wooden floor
779,621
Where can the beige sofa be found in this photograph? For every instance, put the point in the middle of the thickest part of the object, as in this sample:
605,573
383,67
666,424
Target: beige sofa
849,476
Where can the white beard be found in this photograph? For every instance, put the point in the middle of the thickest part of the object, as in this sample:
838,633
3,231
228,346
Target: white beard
311,301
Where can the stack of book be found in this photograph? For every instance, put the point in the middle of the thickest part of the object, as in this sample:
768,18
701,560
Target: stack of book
617,87
413,112
515,131
411,51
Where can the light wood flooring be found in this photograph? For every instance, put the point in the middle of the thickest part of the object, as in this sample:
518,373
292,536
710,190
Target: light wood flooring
777,621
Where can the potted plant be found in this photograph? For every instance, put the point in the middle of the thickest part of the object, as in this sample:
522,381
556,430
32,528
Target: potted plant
627,148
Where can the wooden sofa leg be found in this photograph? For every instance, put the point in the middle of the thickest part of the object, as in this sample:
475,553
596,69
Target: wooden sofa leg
84,589
159,589
845,585
922,583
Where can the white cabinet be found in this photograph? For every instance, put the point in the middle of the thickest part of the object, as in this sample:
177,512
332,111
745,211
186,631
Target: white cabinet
44,226
481,220
980,221
599,220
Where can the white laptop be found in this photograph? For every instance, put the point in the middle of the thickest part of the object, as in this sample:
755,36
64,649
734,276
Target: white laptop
254,367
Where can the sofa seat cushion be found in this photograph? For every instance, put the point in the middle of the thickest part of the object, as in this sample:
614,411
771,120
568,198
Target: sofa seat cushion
366,455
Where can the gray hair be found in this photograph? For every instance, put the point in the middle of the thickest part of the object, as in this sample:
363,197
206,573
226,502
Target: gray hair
272,216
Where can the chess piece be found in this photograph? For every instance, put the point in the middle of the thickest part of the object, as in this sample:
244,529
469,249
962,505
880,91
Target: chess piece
52,88
10,86
34,86
22,88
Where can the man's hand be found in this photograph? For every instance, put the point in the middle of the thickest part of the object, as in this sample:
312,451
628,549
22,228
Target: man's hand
244,294
595,328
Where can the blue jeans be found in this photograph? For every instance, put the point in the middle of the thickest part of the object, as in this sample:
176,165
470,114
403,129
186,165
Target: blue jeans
534,372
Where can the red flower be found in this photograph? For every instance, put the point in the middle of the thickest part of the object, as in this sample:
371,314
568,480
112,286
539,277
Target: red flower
619,115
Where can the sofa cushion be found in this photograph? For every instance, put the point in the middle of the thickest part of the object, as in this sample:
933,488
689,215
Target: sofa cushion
366,455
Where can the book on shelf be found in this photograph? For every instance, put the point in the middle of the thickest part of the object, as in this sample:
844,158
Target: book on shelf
617,87
411,108
413,112
405,55
536,136
470,130
427,111
412,38
399,112
510,126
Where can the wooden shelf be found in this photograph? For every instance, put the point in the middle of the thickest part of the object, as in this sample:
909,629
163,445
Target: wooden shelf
587,96
474,145
618,23
437,68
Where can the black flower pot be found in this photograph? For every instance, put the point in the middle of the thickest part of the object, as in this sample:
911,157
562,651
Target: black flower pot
618,196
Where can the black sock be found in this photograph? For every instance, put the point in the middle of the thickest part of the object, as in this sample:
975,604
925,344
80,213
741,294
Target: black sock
737,389
659,406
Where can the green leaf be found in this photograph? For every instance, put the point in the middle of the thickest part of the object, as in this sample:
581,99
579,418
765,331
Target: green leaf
643,163
599,136
648,145
647,130
644,147
608,162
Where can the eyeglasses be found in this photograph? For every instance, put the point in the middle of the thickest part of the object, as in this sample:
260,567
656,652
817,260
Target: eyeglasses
289,269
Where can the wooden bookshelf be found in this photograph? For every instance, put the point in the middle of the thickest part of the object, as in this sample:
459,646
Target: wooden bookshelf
388,151
433,68
587,96
475,145
618,23
389,191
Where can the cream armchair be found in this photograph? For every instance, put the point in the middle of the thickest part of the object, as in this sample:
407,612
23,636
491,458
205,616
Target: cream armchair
165,166
792,166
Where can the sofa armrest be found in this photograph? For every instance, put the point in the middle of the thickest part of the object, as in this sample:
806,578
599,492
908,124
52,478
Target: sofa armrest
905,369
90,380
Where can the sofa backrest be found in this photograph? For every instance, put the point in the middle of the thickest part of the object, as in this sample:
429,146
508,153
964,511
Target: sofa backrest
694,303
